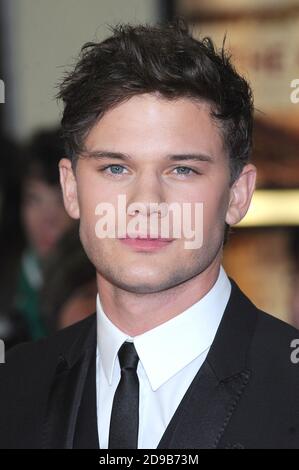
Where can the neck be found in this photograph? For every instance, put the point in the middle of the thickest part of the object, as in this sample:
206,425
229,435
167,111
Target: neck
135,314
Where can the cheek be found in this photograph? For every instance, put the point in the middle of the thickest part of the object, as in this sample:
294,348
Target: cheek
211,222
89,201
214,213
91,192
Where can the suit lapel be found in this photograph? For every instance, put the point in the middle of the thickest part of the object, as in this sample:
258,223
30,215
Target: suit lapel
204,412
66,391
208,405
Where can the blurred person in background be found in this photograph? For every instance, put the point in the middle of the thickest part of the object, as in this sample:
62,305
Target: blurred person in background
70,288
44,221
13,327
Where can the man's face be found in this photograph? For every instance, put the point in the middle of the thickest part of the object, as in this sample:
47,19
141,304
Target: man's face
151,131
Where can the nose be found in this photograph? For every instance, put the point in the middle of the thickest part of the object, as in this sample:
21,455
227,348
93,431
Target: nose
147,196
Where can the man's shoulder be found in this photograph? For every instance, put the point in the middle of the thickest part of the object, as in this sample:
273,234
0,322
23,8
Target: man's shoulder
271,327
267,343
275,346
46,350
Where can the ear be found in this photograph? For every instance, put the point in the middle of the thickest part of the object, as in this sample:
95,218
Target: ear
69,188
240,195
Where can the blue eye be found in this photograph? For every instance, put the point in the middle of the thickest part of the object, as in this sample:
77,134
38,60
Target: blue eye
184,170
115,169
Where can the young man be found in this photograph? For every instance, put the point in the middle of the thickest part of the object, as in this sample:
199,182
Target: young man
176,356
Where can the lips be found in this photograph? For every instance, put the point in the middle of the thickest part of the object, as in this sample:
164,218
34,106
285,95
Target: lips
147,237
146,243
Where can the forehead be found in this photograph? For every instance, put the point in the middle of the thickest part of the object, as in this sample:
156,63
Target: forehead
157,126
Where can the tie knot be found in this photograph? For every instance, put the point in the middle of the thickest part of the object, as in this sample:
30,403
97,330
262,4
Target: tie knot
128,357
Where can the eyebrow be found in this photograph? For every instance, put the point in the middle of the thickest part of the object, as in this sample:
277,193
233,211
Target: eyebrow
200,157
99,154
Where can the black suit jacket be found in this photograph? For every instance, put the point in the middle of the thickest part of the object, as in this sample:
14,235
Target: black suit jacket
246,394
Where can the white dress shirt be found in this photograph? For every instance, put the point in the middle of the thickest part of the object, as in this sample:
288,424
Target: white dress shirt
170,356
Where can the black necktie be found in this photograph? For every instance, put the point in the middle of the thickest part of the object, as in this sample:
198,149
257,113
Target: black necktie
123,433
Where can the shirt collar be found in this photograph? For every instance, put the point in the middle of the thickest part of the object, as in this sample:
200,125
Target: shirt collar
168,348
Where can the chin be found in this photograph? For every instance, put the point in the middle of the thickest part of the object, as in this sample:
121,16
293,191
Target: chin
139,284
143,288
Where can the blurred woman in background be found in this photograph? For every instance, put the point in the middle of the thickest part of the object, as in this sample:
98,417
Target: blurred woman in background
42,222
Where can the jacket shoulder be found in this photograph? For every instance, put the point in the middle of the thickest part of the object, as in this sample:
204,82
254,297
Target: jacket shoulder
274,329
40,353
275,348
